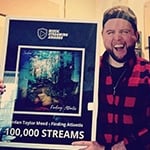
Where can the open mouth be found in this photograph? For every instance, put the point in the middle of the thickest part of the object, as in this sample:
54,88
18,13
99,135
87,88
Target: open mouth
119,46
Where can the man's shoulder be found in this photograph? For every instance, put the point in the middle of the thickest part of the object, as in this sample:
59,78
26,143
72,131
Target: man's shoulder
144,63
142,60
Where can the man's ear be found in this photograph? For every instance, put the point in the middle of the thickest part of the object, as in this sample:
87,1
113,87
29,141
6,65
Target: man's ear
102,32
137,34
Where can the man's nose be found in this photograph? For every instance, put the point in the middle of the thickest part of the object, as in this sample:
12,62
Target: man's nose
117,36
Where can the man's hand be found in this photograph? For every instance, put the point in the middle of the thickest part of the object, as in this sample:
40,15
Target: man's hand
2,87
89,145
119,146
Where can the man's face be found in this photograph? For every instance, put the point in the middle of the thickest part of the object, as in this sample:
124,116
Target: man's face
119,38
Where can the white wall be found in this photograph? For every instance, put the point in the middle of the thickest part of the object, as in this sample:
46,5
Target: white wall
2,24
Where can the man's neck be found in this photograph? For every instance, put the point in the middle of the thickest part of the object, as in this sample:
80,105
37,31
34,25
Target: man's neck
114,63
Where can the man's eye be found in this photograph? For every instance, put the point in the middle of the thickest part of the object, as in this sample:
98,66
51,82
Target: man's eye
125,31
110,32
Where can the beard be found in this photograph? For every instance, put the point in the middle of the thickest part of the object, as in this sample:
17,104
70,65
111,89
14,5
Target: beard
130,54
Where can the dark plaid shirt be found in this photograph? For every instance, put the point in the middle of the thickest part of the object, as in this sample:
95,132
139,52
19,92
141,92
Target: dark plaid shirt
124,115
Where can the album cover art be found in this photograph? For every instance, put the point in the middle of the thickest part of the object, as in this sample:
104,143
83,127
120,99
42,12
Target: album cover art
49,79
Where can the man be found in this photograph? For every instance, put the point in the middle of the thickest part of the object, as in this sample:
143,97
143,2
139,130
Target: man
124,87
